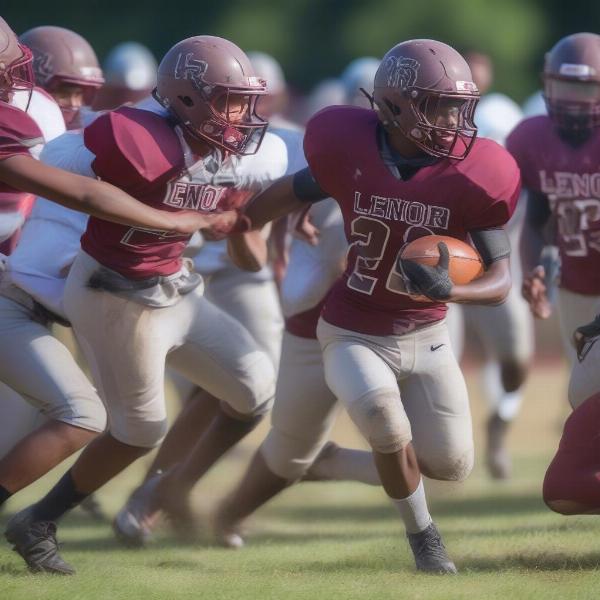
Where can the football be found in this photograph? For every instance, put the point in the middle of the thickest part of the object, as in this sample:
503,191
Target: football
465,263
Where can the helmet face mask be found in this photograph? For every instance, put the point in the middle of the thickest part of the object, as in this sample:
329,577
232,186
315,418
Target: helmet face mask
572,85
424,88
17,76
208,85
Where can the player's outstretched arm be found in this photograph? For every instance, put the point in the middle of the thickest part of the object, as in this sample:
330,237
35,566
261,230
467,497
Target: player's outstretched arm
248,251
531,243
94,197
284,196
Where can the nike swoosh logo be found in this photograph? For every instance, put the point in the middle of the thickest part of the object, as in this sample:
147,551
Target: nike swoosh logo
434,348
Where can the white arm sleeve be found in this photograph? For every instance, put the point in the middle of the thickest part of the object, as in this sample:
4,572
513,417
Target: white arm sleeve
68,152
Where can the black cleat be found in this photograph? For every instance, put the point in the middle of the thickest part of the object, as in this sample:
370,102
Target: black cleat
35,542
430,552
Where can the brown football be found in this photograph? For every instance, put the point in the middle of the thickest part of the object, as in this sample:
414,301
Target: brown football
465,263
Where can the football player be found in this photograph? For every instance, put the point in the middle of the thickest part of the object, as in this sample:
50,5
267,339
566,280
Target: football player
558,155
198,148
572,481
23,316
130,72
505,331
412,167
66,66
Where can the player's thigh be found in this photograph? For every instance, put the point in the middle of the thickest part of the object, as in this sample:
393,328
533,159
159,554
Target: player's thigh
254,302
366,386
506,330
304,410
220,356
42,370
17,418
436,401
125,343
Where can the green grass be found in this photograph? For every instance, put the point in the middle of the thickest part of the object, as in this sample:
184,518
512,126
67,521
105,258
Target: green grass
345,541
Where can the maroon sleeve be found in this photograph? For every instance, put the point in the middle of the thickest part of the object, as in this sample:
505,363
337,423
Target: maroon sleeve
133,148
520,144
495,187
18,132
321,143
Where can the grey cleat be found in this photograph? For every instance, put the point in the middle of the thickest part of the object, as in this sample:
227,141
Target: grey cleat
35,542
134,522
429,551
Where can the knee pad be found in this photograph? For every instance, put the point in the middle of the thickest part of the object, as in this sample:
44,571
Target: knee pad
256,390
85,412
448,466
143,434
288,456
380,417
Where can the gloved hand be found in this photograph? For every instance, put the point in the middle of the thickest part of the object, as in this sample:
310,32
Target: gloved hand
433,282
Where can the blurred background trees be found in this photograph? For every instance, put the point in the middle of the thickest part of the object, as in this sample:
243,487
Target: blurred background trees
314,39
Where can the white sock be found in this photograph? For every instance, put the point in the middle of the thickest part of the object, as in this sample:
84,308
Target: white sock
509,405
505,404
413,510
345,464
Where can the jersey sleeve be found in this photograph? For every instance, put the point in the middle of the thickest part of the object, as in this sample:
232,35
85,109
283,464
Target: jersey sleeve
132,148
18,132
519,144
495,185
321,148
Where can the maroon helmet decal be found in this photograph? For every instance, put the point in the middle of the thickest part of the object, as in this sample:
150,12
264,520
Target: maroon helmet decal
402,71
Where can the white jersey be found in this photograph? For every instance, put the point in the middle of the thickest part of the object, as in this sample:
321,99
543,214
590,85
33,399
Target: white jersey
44,111
496,116
312,270
281,147
51,236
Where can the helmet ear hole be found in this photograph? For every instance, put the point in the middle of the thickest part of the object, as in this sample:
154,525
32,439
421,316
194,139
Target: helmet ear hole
186,100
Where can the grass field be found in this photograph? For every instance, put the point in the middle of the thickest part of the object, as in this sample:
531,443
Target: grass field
333,540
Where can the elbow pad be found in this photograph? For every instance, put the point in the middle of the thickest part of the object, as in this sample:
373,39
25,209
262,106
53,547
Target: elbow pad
492,244
306,188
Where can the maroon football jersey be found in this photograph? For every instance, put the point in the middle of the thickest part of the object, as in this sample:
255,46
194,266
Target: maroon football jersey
140,152
383,213
570,178
18,133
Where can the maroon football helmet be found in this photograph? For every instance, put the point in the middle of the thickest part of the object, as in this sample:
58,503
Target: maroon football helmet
208,84
425,89
61,56
15,63
572,84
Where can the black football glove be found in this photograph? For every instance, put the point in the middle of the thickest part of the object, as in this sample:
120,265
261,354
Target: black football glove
433,282
585,337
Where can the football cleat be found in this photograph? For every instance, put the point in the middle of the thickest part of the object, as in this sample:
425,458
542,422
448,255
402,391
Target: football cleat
134,522
429,551
227,535
35,542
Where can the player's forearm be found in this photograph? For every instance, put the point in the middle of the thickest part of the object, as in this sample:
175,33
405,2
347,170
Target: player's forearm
531,244
491,288
276,201
248,251
83,194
